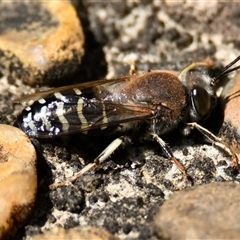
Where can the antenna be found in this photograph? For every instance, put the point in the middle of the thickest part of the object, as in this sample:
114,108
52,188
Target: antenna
226,70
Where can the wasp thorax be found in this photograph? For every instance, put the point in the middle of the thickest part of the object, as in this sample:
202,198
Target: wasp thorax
161,90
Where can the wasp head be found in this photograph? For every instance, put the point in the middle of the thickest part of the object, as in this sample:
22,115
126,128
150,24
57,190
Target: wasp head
202,90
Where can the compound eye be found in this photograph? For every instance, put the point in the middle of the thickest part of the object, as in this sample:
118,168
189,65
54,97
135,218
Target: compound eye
200,100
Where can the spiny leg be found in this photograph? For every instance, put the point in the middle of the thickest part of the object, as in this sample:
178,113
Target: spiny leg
98,160
133,69
216,141
208,63
170,156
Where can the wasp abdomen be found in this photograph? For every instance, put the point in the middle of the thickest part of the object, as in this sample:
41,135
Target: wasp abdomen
59,114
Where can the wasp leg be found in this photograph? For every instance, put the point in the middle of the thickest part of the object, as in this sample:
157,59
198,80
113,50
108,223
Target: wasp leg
170,156
108,150
133,69
207,63
98,160
216,141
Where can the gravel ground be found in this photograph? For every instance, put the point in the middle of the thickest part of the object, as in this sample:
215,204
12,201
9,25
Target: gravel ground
124,194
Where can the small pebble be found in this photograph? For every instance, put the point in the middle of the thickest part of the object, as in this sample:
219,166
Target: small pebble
40,41
203,212
230,131
18,179
80,233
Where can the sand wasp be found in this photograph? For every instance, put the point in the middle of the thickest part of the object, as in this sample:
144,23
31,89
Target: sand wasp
160,99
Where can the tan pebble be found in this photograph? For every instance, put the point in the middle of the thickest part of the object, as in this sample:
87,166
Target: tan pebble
18,179
204,212
80,233
230,131
45,44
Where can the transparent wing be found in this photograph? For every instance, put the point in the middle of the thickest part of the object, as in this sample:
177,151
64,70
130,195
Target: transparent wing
100,114
66,90
79,108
